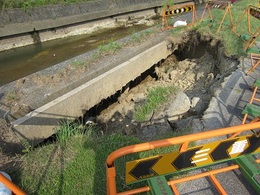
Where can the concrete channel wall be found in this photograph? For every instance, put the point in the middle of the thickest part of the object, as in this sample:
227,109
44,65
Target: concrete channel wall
19,21
19,27
40,124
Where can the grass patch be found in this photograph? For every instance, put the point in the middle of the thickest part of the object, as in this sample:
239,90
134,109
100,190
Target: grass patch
233,44
103,50
167,3
156,97
30,4
78,63
11,96
78,168
139,37
66,131
111,47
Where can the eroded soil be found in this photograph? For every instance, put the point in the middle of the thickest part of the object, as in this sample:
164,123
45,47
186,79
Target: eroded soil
196,67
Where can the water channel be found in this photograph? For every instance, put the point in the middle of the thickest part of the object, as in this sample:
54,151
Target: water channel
23,61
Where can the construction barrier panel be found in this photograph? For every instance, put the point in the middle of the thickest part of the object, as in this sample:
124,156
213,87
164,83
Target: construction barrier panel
222,5
154,169
178,9
253,35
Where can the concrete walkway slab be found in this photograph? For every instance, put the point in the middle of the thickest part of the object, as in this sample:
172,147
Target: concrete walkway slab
225,109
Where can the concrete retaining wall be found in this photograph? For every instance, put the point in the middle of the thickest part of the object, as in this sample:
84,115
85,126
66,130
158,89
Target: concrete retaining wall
11,42
41,123
18,21
20,28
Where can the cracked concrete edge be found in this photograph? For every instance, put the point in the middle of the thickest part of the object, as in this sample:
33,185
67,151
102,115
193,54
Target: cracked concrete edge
225,108
42,122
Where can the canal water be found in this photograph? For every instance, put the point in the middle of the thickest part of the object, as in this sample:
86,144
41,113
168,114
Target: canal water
23,61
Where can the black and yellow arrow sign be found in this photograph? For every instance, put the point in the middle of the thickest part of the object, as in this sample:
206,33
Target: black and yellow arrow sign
180,161
218,4
178,10
220,152
255,12
193,157
144,168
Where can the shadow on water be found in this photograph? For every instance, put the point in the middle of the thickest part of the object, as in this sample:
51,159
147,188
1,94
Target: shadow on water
23,61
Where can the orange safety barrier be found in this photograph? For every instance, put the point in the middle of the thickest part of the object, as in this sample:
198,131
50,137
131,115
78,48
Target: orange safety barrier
255,61
176,10
223,5
250,108
9,184
184,142
251,11
209,174
252,39
253,98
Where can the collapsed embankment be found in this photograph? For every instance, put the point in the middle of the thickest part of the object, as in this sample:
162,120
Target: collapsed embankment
72,92
33,110
69,85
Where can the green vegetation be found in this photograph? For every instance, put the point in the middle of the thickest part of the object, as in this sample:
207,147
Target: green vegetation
138,37
233,44
105,49
155,98
67,130
168,3
78,63
10,96
111,47
29,4
75,164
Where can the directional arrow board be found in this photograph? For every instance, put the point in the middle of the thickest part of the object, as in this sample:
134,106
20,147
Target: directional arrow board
255,12
192,158
178,10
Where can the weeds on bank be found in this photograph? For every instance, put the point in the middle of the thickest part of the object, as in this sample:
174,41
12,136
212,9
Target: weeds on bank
156,97
111,47
55,169
66,130
27,147
168,3
233,44
11,95
105,49
138,37
78,63
27,5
